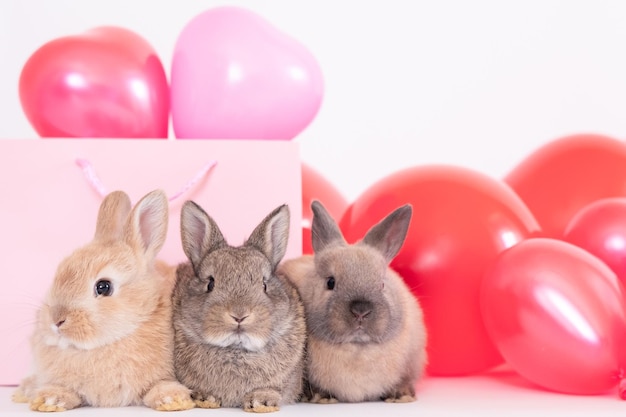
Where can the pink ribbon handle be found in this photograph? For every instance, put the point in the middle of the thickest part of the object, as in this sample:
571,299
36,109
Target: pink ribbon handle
94,181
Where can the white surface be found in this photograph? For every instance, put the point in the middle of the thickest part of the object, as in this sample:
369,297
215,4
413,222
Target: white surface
500,393
473,83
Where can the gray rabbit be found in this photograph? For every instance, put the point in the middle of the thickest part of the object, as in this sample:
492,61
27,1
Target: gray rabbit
366,333
239,329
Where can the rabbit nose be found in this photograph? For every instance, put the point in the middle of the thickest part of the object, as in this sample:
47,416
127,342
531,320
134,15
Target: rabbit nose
361,308
239,319
59,315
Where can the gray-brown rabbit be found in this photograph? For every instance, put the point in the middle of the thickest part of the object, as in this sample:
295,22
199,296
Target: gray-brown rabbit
239,329
366,334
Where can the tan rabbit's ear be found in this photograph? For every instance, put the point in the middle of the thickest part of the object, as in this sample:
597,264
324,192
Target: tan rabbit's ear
272,234
146,229
388,235
324,229
112,216
199,233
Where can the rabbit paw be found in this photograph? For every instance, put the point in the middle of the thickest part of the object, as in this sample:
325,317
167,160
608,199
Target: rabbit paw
313,394
262,401
168,396
404,393
319,398
54,399
401,399
205,401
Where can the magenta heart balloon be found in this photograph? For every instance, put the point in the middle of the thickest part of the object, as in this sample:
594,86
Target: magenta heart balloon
107,82
235,76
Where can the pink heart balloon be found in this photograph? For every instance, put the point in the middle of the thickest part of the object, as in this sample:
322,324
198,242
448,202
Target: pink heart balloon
107,83
235,76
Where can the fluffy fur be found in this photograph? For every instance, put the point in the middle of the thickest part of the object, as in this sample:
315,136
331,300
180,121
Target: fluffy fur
366,334
239,329
109,350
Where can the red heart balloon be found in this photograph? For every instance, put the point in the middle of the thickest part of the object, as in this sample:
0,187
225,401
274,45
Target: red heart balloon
560,178
105,83
461,221
600,229
557,315
316,187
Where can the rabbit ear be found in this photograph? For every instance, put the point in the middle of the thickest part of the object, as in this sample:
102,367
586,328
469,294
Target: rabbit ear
112,216
147,225
324,229
388,235
272,234
199,232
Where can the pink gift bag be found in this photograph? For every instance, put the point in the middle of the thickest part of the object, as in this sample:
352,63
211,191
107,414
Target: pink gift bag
51,191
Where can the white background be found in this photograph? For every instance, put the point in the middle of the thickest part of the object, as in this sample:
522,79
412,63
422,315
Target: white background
479,84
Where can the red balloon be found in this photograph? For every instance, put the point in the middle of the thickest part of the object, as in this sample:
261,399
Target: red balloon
557,315
461,221
316,187
600,228
560,178
105,83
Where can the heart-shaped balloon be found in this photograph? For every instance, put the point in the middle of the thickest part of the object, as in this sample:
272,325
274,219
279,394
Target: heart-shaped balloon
235,76
563,176
105,83
461,221
557,315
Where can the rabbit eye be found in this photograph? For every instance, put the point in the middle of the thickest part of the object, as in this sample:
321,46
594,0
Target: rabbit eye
103,287
211,284
330,283
264,286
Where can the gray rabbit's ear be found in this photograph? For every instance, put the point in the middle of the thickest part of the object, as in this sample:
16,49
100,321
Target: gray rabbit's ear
324,229
146,228
199,233
112,216
272,234
388,235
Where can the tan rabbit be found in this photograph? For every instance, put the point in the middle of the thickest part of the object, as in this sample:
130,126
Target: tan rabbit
239,329
104,336
366,334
